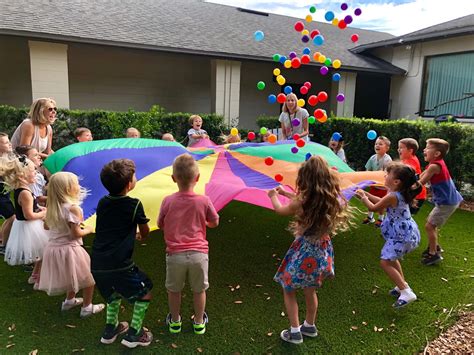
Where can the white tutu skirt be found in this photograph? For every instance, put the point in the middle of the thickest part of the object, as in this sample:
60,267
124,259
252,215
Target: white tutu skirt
26,242
65,268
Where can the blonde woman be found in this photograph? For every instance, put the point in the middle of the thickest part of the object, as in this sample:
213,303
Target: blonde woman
294,119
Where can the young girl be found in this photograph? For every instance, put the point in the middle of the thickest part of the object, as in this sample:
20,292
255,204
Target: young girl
398,228
320,210
27,237
38,187
336,143
66,265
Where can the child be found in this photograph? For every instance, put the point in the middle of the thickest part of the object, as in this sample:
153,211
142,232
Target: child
319,213
7,211
407,148
378,161
66,265
336,143
83,134
399,229
114,271
184,217
445,196
228,139
196,133
38,188
168,137
133,133
27,237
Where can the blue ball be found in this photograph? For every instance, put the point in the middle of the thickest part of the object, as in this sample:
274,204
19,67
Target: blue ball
336,77
318,40
308,155
282,59
288,90
272,99
329,16
371,134
336,136
306,50
259,36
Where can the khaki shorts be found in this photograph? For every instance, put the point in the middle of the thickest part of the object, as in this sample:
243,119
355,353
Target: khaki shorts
440,214
191,264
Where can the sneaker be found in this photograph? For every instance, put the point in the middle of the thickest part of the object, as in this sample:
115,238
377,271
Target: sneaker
111,333
378,223
96,308
174,327
133,339
395,292
432,259
66,306
368,220
36,286
427,251
310,331
33,279
201,328
294,338
2,250
405,300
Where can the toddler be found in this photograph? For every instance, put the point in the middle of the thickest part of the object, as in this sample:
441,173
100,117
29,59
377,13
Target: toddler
196,133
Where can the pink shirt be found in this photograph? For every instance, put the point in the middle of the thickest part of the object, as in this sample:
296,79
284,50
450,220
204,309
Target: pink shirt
183,217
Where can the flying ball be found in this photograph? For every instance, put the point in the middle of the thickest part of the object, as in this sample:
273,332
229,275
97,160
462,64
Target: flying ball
357,12
263,131
301,103
340,97
269,160
305,59
288,89
344,6
354,38
272,99
295,122
311,119
336,64
322,96
318,40
234,131
307,156
259,36
276,71
278,177
304,90
336,136
336,77
281,98
296,136
324,70
276,57
299,26
371,134
312,9
329,16
301,143
251,136
272,138
313,100
260,85
294,150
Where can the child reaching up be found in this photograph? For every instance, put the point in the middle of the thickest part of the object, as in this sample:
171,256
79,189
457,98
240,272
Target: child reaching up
66,265
319,211
27,237
399,230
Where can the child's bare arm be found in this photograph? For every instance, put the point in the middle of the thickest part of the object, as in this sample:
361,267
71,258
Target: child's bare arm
426,175
144,230
26,202
387,201
287,210
212,224
285,193
79,230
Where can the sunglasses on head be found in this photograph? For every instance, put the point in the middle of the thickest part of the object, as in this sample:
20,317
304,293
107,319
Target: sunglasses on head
50,109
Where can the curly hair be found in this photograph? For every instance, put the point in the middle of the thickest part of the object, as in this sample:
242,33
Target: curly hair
13,169
324,210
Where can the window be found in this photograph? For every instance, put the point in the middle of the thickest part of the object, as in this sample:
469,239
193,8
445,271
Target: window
448,78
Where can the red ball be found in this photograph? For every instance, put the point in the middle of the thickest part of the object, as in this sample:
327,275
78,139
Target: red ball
354,38
281,98
269,160
307,84
305,59
342,24
313,100
296,136
322,96
299,26
296,62
314,33
304,90
251,136
318,113
300,143
278,177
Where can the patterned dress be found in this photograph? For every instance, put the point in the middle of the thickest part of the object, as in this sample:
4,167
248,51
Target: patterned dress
306,264
399,230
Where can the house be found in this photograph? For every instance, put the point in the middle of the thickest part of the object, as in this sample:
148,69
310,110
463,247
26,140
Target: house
185,55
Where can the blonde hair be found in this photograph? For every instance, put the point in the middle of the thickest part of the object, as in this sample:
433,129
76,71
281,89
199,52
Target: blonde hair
192,118
185,169
132,129
285,108
13,169
80,131
60,191
230,138
323,210
440,145
36,114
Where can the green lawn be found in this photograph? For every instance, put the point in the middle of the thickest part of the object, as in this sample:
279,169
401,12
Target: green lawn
244,252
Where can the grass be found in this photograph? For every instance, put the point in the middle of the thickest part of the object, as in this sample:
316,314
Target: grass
245,251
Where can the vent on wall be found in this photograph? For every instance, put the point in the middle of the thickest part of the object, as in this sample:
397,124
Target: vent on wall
252,11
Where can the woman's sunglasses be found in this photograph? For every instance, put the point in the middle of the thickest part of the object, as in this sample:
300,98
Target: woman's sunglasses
50,109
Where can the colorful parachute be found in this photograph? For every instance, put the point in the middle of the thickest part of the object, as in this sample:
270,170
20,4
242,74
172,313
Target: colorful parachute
228,172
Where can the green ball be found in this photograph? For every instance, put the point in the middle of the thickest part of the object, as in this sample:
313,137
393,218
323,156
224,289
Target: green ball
263,131
312,9
328,62
260,85
311,119
276,57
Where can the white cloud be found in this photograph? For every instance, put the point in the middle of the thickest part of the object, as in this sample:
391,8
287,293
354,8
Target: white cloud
389,16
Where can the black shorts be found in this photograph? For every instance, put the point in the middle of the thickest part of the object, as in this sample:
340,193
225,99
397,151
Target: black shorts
131,284
6,208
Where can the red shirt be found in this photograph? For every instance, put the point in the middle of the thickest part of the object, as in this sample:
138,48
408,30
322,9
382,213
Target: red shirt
415,164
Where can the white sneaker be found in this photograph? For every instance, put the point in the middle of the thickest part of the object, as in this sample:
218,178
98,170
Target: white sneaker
66,306
95,308
407,296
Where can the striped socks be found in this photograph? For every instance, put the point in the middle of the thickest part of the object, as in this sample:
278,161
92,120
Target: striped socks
139,311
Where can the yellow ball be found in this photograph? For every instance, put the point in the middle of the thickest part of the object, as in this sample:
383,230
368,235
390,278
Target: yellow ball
276,71
322,58
305,32
281,80
309,18
336,64
287,64
301,102
335,21
234,131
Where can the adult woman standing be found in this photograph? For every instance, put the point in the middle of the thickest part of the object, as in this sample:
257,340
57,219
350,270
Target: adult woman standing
36,129
294,119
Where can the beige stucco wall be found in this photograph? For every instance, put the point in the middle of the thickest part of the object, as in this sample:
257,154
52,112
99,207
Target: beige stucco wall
225,90
15,79
118,79
406,91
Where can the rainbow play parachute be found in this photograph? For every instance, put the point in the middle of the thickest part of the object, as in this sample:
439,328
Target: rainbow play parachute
228,172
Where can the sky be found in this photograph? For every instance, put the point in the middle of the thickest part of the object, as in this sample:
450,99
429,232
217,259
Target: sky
397,17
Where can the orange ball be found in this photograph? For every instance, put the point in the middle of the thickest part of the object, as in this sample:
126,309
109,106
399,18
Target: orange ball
272,138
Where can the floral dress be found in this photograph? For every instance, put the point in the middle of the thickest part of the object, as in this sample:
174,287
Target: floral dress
306,264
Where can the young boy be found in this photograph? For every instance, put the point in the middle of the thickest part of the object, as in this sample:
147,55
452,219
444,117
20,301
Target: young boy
7,211
445,196
83,134
407,148
132,132
183,218
378,161
168,137
196,133
114,271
